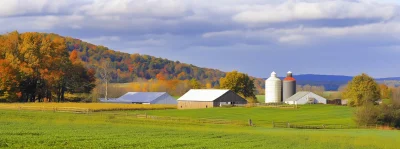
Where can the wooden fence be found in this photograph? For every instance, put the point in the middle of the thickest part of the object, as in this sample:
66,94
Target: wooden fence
47,108
190,120
323,126
272,105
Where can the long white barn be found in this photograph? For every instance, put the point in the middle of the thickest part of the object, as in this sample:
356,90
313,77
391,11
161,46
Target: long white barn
305,98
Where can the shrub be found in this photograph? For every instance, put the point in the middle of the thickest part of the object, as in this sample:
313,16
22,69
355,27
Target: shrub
366,114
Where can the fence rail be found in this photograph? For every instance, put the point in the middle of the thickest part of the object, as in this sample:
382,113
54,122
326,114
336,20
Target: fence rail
323,126
190,120
272,105
46,108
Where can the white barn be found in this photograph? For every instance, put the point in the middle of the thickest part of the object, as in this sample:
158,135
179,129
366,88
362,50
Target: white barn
209,98
305,98
144,98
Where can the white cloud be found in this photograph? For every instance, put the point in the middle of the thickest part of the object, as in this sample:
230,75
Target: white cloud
294,11
155,8
302,35
9,8
293,39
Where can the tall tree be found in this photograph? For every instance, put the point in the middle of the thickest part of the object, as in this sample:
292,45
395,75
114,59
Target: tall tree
385,91
239,83
34,66
194,84
362,89
104,71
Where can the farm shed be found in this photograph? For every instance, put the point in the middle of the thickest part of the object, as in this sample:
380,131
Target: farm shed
144,98
334,102
344,101
306,98
209,98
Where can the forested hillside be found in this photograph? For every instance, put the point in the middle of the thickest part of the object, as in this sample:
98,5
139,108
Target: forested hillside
43,67
129,67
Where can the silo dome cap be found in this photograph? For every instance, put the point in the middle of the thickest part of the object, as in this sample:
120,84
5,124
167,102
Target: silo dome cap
273,74
289,72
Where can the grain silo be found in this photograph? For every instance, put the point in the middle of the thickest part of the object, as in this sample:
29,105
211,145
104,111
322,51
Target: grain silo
273,89
289,86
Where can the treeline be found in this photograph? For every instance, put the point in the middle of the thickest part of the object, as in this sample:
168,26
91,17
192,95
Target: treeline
37,67
319,90
173,87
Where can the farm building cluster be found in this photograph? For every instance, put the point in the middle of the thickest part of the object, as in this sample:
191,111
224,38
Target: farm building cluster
276,91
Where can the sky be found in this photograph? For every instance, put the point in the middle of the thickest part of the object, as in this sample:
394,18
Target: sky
337,37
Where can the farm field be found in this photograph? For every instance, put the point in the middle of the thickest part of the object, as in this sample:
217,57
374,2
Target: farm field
306,114
37,129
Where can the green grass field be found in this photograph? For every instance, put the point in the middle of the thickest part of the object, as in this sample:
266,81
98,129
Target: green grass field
307,114
35,129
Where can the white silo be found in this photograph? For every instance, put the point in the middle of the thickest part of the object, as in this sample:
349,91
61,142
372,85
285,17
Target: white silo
273,89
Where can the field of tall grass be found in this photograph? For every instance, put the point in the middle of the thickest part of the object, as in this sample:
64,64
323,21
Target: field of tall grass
34,129
91,106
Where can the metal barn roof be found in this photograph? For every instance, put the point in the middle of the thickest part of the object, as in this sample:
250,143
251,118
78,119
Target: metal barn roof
297,96
203,94
141,97
306,98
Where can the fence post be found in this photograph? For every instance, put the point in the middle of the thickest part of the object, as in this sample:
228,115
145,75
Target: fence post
288,125
146,114
273,124
250,122
323,126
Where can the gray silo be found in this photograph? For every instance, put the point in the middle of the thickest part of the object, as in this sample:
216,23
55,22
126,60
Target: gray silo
289,86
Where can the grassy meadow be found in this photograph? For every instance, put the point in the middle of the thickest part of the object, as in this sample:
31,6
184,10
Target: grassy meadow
37,129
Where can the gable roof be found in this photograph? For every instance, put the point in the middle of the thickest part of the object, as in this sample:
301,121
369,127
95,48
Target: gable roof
138,97
297,96
203,94
142,97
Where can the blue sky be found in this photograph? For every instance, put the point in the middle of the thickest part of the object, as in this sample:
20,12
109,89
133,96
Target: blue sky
340,37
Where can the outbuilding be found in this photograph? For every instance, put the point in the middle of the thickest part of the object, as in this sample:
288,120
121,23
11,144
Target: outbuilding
305,98
144,98
209,98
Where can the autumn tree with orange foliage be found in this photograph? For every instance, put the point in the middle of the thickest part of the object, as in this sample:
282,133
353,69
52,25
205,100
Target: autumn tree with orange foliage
37,67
